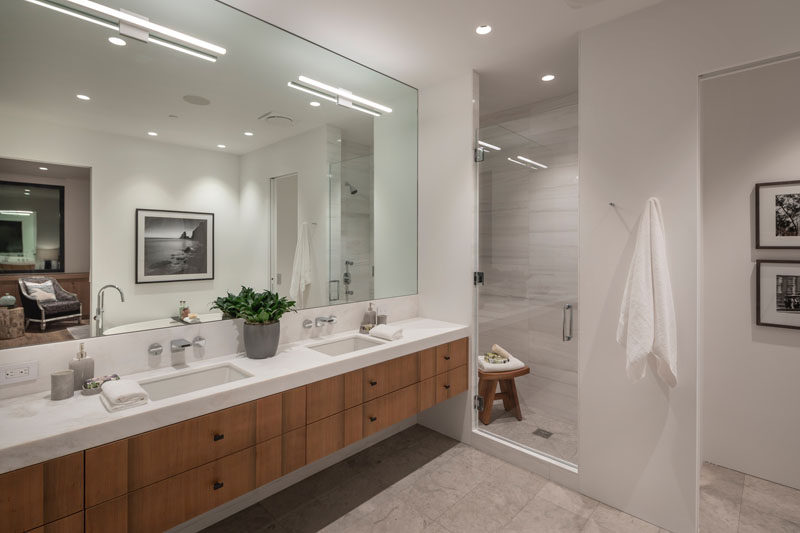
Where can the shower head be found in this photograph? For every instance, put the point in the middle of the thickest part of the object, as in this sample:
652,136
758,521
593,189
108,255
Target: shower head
350,188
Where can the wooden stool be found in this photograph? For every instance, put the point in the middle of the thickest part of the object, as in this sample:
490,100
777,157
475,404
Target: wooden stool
12,322
487,387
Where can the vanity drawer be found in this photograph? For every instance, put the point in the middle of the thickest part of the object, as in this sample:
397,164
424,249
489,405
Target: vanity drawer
427,393
451,355
70,524
403,403
324,398
451,383
324,437
268,461
42,493
403,371
176,499
375,415
376,381
427,363
164,452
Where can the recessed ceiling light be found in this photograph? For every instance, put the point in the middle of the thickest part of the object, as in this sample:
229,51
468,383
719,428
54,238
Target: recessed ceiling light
40,168
152,134
221,146
27,190
117,41
314,104
248,133
548,77
483,29
82,97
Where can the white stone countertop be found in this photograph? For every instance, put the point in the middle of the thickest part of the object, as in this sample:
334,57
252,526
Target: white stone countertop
33,428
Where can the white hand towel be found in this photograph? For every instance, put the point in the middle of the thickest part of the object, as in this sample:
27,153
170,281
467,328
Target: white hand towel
123,392
513,364
647,314
301,268
385,331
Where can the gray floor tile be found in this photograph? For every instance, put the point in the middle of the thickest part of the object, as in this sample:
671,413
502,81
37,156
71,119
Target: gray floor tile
540,515
755,520
771,498
568,499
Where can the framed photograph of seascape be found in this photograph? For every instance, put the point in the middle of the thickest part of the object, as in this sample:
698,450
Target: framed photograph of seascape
778,294
174,246
778,214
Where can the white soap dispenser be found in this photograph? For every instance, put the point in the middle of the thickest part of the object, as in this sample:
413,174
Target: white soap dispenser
372,314
83,367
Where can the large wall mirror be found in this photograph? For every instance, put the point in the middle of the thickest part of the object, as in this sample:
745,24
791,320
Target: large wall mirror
188,163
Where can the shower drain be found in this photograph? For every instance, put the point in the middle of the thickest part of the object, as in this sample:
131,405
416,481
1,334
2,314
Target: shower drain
543,433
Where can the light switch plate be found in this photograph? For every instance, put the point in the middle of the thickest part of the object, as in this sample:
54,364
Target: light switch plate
16,372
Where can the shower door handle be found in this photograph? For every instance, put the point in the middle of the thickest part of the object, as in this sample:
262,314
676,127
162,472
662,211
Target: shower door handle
566,332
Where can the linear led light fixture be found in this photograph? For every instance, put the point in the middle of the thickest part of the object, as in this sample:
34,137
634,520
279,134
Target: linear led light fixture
151,26
344,102
517,162
13,212
309,90
114,26
531,161
344,93
487,145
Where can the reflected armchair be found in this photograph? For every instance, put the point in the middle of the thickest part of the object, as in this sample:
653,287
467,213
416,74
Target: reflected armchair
65,306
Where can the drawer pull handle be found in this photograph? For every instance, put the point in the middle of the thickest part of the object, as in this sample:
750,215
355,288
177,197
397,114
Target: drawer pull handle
372,383
218,436
218,485
446,357
447,386
373,418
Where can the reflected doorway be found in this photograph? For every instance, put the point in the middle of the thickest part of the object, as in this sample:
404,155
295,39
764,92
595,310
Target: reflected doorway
283,240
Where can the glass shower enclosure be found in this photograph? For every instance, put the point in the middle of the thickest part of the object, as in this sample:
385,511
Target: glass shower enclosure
528,256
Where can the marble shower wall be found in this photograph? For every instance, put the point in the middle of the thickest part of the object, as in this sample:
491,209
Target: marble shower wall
529,250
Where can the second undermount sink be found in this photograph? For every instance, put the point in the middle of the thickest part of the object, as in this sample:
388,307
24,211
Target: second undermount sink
192,380
346,345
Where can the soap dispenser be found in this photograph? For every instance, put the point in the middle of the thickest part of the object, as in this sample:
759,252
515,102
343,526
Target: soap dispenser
372,314
83,367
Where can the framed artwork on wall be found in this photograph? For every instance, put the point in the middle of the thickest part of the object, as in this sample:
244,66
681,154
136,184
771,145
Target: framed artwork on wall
778,294
174,246
778,214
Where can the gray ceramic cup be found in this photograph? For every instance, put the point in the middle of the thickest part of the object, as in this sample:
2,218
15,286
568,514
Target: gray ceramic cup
62,384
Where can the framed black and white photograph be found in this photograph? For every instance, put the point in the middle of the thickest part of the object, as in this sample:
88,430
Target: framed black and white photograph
778,294
778,214
174,246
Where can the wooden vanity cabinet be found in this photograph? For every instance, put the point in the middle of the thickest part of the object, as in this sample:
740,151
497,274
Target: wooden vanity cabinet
161,478
41,494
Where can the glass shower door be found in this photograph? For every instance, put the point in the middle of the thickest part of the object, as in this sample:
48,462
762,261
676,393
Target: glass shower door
528,253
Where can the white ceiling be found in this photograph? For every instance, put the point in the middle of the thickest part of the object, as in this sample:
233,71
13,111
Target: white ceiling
49,57
423,42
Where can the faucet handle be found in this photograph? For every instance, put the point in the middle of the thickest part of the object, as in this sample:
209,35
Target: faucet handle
199,341
155,349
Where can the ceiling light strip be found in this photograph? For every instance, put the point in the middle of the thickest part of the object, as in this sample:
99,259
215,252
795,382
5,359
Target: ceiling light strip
309,90
364,110
487,145
531,161
77,14
517,162
179,48
150,26
345,94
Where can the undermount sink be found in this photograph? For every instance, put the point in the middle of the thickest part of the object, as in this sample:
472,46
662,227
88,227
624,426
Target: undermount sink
346,345
192,380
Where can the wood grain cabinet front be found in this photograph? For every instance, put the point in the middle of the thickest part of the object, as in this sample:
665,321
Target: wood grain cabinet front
451,383
375,415
36,495
70,524
324,398
376,381
451,355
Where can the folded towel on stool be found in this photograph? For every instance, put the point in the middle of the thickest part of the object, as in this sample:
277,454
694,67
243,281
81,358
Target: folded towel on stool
512,364
385,331
122,394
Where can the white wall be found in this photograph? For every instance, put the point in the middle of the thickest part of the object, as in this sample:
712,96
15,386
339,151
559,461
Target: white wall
77,213
395,199
750,133
306,155
448,117
639,138
130,173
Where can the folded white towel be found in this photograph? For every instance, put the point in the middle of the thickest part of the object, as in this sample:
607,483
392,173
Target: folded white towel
123,392
120,406
513,364
647,314
385,331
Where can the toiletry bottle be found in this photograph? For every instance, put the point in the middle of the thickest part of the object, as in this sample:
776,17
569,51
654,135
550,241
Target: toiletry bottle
83,366
372,315
181,306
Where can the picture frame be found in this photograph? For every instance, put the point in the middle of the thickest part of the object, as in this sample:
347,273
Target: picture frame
174,246
778,293
778,215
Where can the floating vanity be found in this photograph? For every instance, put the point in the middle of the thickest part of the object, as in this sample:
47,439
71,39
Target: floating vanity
153,467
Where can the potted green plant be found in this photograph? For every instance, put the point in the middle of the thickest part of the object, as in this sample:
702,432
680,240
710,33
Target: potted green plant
261,312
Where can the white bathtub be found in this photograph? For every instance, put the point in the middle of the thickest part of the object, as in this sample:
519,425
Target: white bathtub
159,323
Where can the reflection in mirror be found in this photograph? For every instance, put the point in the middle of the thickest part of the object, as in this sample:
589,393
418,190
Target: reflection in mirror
304,160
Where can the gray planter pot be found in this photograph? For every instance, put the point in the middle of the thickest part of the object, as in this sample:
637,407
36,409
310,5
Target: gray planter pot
261,340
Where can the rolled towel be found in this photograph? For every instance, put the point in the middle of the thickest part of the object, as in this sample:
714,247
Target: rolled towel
122,394
385,331
496,348
512,364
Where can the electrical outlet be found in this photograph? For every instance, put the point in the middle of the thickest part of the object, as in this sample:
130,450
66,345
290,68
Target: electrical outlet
16,372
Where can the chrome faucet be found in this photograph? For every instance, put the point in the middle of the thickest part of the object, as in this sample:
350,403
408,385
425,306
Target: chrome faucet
322,320
98,317
178,349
